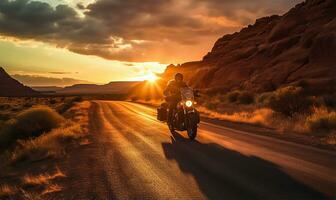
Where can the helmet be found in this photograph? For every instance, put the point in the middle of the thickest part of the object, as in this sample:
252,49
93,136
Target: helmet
179,76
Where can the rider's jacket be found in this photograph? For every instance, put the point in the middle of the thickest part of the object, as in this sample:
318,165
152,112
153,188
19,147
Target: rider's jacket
173,88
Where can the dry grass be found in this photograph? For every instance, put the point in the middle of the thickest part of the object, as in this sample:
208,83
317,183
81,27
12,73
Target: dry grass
30,123
321,121
7,191
330,139
42,179
33,187
259,116
53,144
52,188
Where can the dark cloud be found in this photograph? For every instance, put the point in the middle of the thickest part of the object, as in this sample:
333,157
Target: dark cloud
134,30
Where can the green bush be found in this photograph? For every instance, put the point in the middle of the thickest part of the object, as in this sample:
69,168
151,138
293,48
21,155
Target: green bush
289,101
245,97
30,123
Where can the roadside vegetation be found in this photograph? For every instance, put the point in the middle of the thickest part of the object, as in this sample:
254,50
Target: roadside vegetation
37,130
296,109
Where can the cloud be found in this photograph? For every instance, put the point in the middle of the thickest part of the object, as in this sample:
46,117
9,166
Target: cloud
34,80
134,30
59,72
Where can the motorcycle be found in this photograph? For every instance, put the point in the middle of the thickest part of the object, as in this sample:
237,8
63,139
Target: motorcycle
185,116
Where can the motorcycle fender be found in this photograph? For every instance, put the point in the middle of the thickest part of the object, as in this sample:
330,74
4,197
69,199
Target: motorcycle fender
193,116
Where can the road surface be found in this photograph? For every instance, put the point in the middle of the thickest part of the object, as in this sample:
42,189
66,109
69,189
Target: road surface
134,156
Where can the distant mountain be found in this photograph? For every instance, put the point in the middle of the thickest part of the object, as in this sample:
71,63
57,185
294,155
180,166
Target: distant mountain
47,89
10,87
119,87
274,52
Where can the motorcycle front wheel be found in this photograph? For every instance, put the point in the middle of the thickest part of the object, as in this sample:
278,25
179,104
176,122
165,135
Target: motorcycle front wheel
192,127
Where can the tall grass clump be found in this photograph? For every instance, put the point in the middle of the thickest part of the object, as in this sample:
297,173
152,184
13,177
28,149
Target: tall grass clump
54,143
30,123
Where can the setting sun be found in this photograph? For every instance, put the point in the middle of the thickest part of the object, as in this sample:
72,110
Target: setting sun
151,77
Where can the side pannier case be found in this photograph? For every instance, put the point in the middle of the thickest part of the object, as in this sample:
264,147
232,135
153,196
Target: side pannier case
162,112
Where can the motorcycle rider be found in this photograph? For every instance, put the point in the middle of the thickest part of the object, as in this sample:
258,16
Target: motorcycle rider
172,94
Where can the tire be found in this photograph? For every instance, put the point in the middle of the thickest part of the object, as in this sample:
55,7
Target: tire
192,127
192,132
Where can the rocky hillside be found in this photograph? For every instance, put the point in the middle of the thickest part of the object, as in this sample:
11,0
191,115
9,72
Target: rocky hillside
273,52
10,87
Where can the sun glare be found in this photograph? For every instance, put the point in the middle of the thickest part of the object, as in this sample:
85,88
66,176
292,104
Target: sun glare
151,77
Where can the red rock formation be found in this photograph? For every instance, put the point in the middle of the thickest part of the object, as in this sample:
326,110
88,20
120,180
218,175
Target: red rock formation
273,52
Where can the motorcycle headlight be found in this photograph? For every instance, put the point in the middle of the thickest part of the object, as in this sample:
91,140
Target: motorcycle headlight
189,103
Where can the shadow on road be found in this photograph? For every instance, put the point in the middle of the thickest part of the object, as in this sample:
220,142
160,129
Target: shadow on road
225,174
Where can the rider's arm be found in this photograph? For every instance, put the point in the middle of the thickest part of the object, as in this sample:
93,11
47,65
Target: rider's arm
166,92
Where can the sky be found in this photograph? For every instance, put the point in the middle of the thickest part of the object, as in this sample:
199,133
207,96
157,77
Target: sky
64,42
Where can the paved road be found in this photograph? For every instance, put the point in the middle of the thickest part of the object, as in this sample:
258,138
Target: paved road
133,156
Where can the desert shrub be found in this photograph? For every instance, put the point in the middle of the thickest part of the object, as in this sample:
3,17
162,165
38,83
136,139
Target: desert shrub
210,105
245,97
330,101
263,98
134,98
52,101
233,96
50,144
302,83
77,99
68,104
289,101
30,123
321,121
5,106
27,105
4,116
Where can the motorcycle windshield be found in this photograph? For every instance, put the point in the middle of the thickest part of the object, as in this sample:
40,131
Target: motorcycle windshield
187,93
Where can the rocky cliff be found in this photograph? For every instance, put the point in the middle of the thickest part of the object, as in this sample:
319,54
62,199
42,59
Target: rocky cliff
273,52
